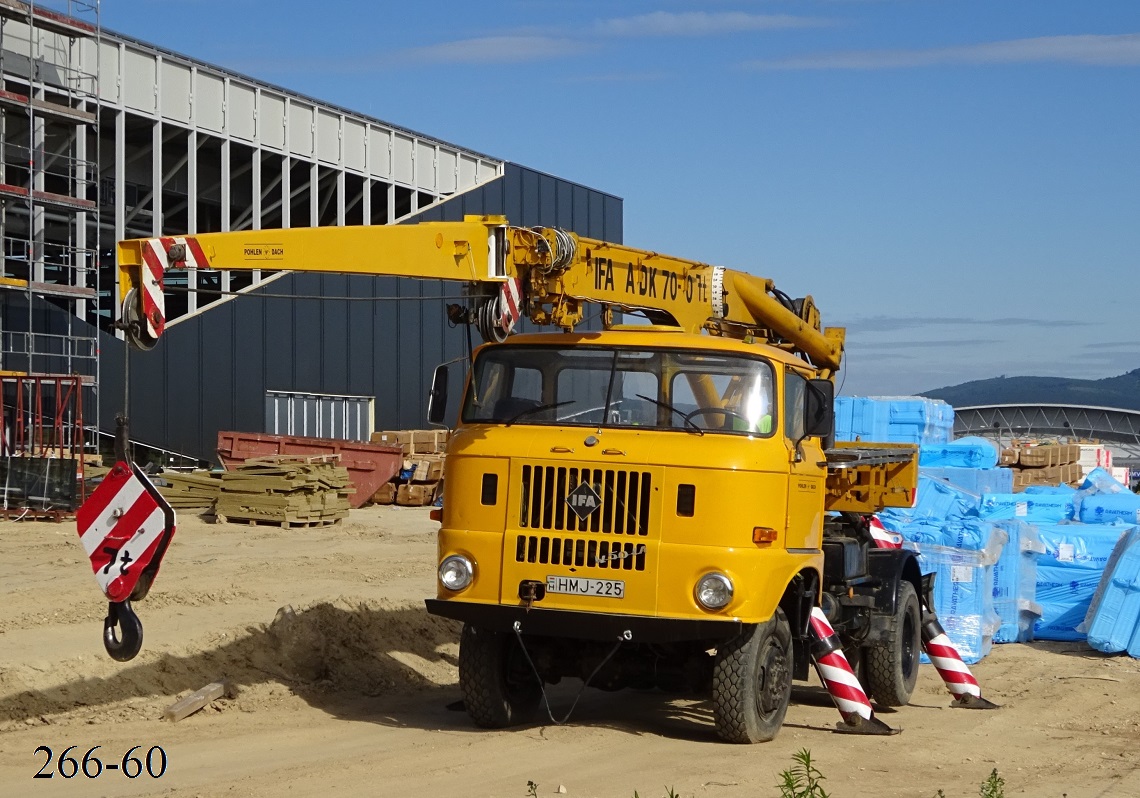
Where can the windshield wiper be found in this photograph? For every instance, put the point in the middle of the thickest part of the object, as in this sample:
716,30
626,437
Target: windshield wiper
538,409
687,419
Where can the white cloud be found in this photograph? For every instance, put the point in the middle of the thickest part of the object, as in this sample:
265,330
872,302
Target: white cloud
1095,50
700,23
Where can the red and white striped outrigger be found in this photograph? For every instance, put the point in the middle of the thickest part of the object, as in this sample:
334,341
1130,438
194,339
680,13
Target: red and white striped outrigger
838,677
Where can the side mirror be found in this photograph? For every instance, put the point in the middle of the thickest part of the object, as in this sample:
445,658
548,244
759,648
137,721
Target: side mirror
819,408
437,399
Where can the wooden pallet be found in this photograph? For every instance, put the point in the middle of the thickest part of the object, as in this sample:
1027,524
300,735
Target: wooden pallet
293,523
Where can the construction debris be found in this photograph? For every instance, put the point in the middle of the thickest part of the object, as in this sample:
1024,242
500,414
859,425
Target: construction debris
285,490
196,700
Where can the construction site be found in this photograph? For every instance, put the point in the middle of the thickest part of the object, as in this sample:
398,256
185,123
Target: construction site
454,490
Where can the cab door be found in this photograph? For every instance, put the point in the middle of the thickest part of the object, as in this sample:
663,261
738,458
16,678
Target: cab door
807,470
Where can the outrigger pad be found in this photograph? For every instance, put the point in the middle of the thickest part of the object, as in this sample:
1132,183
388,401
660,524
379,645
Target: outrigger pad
967,701
866,726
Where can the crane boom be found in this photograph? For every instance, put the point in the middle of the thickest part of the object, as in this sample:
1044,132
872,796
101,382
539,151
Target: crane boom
559,272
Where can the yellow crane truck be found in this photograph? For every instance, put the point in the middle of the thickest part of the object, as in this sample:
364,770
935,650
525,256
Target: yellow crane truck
649,505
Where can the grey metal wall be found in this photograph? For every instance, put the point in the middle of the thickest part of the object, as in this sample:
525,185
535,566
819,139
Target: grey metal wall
210,372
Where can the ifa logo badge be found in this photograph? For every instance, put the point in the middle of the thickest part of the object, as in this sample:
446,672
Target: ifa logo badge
584,500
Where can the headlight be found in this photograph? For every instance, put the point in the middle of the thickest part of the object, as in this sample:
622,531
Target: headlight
456,572
713,591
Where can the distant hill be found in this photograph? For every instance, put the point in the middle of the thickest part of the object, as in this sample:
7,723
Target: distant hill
1122,391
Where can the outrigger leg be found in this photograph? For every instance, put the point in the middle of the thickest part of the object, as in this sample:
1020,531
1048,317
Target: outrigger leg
836,674
944,656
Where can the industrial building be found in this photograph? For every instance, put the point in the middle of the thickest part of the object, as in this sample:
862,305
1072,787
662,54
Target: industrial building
105,137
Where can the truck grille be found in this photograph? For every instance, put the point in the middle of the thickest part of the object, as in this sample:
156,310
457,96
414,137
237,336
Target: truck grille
581,553
624,496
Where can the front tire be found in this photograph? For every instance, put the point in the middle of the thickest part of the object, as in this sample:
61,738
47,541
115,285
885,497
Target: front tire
892,665
752,682
499,687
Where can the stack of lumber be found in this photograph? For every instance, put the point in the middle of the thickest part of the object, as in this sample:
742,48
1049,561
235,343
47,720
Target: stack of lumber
1043,463
285,490
420,481
189,491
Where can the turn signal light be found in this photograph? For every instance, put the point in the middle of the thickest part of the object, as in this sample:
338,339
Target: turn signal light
763,534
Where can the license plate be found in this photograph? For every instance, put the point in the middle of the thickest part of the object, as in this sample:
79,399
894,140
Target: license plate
574,586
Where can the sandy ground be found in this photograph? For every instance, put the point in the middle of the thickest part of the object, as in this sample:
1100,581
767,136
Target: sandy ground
350,691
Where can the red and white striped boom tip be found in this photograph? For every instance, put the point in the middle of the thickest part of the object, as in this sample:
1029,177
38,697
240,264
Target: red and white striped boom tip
160,254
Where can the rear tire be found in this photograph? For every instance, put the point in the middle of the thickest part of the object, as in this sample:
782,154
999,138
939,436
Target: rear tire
752,682
499,687
892,666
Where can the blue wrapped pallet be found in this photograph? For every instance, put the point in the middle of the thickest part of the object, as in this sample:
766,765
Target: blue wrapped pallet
1015,583
973,480
968,452
893,419
935,499
963,585
1113,619
1068,574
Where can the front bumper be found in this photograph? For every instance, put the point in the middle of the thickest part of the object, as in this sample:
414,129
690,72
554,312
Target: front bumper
583,625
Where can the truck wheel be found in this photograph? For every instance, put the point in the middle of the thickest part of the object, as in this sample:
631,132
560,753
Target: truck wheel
892,665
499,688
752,682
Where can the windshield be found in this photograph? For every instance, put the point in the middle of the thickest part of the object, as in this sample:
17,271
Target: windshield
612,387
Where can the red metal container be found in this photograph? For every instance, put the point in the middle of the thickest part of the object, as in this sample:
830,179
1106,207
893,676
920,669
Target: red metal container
369,465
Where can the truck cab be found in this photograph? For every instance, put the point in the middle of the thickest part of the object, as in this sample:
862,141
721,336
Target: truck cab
621,504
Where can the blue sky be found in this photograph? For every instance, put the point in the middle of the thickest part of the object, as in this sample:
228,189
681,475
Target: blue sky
956,182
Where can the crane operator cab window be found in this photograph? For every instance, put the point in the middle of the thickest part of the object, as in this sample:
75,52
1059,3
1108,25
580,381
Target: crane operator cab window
602,387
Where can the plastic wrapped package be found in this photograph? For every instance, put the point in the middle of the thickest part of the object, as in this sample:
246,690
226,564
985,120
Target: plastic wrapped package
1068,490
937,500
1015,583
923,530
1033,508
1068,574
973,480
893,419
1113,618
1099,480
1064,595
963,589
1110,508
968,452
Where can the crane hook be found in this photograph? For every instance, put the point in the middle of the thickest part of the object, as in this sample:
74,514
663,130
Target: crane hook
119,613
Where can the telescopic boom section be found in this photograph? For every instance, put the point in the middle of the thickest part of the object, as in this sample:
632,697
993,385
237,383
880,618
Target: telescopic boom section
559,273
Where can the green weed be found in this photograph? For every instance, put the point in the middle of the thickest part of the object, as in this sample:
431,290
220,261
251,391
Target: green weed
802,780
993,786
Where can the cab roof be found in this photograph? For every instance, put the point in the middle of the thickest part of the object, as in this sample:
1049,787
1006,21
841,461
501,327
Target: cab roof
657,337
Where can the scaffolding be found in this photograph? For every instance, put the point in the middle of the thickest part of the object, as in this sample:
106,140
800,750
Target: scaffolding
49,234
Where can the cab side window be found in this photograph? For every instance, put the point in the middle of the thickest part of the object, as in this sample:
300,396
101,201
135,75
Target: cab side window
795,387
